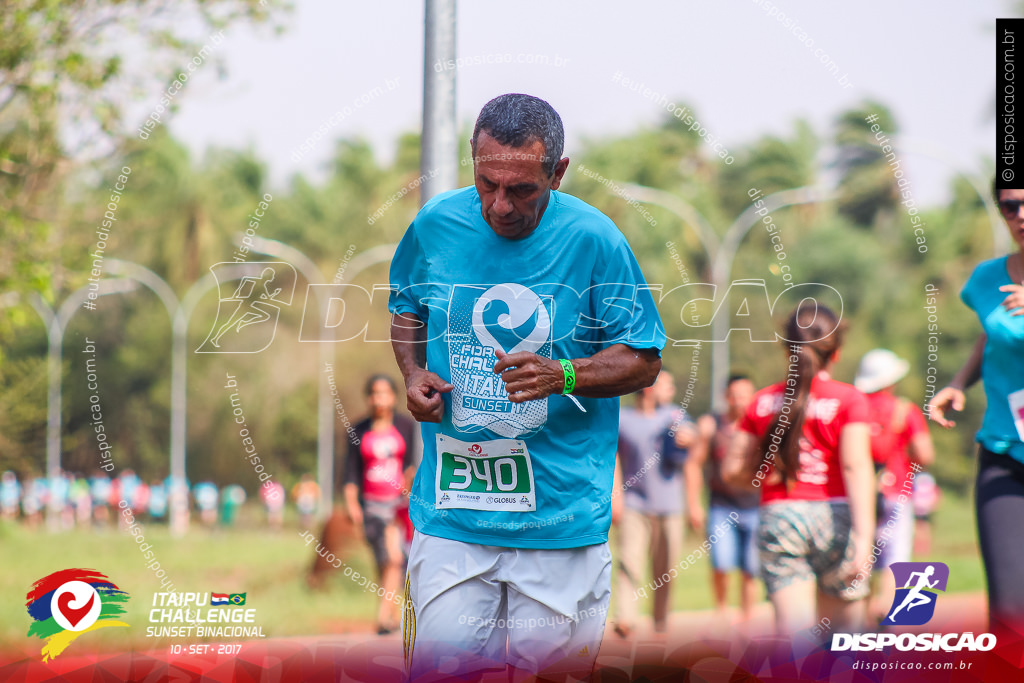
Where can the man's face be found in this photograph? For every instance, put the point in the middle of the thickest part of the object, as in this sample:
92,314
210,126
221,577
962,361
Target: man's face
381,398
1014,218
739,395
513,188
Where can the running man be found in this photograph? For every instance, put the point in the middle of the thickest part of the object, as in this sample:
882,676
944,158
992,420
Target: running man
512,302
915,596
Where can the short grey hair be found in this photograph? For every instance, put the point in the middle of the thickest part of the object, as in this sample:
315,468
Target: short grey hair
516,119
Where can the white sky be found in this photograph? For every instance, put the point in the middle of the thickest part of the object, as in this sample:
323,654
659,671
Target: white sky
743,71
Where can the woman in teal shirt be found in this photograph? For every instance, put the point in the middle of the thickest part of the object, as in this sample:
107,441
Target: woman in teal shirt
995,292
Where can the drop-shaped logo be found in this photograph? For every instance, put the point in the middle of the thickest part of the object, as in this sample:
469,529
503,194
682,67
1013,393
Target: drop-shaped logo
514,313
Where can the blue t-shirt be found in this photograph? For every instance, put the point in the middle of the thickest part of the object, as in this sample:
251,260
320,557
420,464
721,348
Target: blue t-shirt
568,290
1002,366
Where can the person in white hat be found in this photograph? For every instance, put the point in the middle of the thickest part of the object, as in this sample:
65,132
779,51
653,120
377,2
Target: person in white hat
900,447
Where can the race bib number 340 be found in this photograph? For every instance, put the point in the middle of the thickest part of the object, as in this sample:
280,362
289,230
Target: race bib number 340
486,475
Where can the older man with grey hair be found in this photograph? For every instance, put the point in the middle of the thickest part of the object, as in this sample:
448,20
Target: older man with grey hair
520,315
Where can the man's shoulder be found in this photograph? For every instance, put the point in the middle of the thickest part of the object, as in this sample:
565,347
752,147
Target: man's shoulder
586,218
446,203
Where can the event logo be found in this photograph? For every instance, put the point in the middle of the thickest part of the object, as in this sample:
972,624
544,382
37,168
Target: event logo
254,302
914,603
483,322
514,314
68,603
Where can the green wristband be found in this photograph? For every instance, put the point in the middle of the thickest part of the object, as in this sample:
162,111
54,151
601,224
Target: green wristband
570,376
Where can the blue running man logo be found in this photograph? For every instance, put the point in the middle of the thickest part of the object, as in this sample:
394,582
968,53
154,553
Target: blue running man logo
914,603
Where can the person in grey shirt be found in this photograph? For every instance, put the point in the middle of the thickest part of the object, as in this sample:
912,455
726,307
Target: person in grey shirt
653,438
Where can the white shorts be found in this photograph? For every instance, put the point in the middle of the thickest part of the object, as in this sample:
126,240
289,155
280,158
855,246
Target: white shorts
476,608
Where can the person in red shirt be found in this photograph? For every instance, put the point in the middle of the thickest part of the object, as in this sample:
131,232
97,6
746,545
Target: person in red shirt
805,443
900,447
379,466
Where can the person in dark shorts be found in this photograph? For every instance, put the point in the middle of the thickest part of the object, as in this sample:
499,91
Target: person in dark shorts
805,442
380,462
995,291
737,543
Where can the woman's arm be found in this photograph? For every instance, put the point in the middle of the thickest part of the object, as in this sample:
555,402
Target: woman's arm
952,396
858,476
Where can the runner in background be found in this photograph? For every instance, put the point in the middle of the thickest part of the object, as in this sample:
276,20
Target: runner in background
272,494
373,486
205,494
34,500
737,544
306,494
10,495
157,500
996,294
232,497
651,528
806,443
140,501
899,441
81,500
99,488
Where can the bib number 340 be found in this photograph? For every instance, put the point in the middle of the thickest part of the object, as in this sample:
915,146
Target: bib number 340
488,475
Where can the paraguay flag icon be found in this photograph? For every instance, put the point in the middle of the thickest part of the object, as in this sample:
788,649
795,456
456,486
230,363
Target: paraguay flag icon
68,603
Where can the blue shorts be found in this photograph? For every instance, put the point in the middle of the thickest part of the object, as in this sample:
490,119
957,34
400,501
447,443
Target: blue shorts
736,546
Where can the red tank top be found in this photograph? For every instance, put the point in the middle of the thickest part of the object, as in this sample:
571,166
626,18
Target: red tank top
383,453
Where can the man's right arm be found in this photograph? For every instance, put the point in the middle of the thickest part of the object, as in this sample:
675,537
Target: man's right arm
422,388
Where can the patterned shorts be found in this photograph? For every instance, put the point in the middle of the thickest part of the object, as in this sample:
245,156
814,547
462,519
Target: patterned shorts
802,540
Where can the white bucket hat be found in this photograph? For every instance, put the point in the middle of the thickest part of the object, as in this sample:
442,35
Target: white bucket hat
879,368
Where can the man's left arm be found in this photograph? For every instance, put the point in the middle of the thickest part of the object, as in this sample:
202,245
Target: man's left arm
614,371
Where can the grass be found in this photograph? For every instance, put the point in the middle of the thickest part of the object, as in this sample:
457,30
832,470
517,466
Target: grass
270,567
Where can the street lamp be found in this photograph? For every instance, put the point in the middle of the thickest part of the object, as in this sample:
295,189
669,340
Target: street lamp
325,406
325,415
56,325
721,255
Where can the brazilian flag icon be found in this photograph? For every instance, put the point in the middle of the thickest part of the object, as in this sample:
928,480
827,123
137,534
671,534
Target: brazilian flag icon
236,598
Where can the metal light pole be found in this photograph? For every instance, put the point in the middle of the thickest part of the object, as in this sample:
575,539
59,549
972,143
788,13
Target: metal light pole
179,513
180,313
325,412
325,406
56,325
439,146
721,255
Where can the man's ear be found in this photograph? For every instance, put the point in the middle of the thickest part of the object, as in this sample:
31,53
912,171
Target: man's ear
556,176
